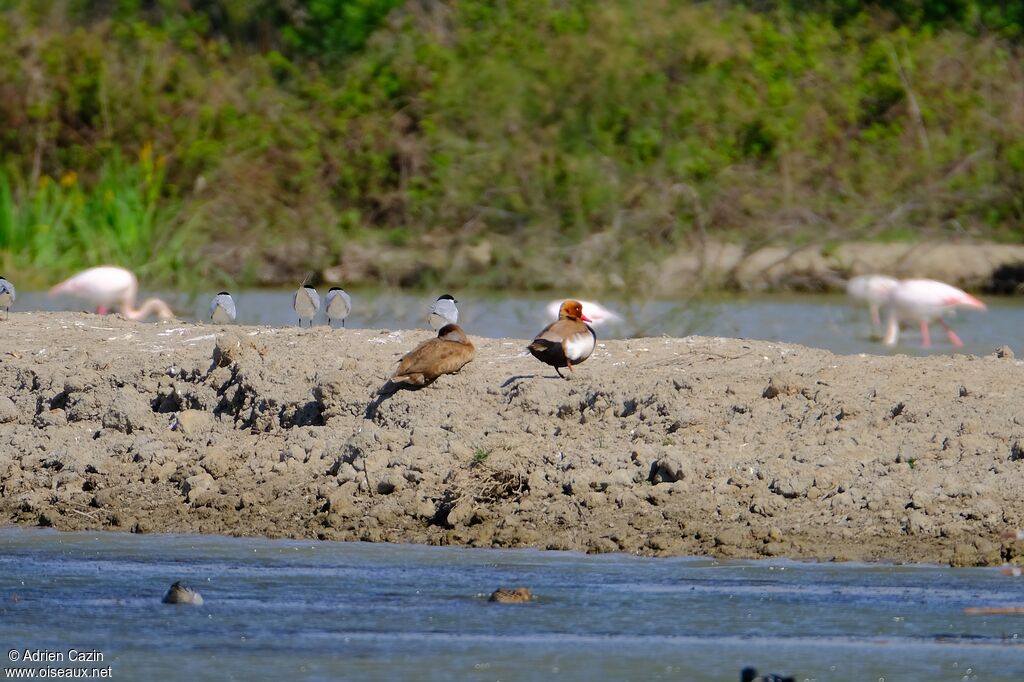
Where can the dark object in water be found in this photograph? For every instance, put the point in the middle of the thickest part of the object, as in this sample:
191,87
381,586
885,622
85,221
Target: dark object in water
1007,279
182,594
750,675
504,595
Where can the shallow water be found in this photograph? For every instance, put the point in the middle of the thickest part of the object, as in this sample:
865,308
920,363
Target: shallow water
284,609
819,321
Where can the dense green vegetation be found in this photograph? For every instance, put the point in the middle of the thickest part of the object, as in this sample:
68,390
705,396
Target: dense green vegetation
495,144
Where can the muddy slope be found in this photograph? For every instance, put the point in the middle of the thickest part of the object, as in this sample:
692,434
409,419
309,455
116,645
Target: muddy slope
658,446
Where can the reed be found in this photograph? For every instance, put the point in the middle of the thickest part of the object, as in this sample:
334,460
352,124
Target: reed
59,225
521,144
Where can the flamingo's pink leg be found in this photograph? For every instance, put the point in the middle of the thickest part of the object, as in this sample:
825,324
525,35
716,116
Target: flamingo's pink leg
953,338
102,310
876,320
926,339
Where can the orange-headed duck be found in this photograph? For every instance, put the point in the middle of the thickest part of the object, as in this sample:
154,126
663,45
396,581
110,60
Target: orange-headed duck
567,341
597,313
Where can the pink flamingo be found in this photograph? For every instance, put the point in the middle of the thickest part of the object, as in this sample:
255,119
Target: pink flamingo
873,290
924,300
108,287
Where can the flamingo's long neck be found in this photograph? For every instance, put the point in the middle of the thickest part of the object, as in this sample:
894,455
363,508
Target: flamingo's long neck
148,307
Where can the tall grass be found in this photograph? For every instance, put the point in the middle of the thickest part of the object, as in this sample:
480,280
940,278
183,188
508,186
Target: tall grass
521,144
61,225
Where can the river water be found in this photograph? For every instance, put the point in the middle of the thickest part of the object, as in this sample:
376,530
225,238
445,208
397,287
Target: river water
285,609
820,321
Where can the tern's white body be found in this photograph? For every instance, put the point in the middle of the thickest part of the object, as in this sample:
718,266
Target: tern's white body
338,305
924,301
222,308
7,295
443,312
306,303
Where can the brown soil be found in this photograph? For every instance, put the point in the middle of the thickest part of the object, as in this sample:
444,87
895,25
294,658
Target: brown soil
656,446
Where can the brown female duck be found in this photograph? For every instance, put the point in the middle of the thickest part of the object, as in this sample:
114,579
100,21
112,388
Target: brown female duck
449,352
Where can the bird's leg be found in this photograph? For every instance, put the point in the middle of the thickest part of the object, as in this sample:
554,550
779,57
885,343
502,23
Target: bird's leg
953,338
102,310
892,330
876,320
559,372
926,340
569,365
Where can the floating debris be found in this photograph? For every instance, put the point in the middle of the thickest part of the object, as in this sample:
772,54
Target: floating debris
182,594
504,595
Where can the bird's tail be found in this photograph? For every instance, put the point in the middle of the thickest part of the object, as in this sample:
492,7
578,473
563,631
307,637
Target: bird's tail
540,346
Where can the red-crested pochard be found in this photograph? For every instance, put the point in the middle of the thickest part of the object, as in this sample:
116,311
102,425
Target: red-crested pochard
567,341
597,313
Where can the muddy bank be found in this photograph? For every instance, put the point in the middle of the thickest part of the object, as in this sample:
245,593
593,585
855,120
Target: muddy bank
658,446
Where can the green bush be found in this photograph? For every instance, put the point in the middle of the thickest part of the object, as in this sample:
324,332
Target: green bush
503,144
59,226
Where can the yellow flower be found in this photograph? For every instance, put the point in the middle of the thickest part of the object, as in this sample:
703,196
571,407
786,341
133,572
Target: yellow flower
68,179
45,181
146,153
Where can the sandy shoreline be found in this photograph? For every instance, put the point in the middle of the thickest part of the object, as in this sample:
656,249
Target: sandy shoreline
657,446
